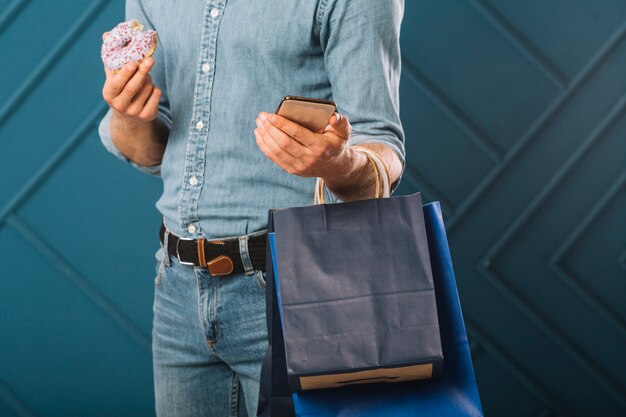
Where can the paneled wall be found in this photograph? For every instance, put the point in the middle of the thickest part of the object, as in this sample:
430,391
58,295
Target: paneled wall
515,119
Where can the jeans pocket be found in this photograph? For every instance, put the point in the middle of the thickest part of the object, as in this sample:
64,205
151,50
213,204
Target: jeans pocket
260,276
160,265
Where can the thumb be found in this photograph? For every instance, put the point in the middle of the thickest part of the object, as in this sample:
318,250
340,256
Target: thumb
340,125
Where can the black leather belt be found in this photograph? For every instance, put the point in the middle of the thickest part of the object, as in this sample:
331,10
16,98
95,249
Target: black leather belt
221,257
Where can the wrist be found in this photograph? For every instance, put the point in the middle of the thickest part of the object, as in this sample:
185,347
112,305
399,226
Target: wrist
143,142
341,172
341,168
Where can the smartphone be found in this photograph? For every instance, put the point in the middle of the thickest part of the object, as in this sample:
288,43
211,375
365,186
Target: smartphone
312,113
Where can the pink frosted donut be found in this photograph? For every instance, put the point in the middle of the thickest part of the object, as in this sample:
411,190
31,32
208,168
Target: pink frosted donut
127,43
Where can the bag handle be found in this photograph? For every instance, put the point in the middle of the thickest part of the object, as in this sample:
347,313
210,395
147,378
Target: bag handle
376,162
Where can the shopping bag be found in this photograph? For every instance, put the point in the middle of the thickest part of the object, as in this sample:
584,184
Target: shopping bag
355,293
453,394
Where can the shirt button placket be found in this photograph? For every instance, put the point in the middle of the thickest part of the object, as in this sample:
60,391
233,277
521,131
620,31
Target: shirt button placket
194,180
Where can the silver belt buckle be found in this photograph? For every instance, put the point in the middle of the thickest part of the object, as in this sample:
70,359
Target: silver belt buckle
178,254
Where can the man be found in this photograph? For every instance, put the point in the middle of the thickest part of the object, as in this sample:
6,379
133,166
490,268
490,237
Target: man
198,114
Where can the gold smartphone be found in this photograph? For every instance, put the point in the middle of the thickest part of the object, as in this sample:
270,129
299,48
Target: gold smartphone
311,113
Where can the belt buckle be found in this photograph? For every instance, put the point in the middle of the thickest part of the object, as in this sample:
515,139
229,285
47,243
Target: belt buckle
178,254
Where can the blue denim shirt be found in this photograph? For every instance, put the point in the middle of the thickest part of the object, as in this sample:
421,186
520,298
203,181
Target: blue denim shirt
221,62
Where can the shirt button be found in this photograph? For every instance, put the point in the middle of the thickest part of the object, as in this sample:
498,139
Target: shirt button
215,12
193,180
191,229
206,67
199,125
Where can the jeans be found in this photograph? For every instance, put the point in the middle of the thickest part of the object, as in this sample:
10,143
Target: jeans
209,338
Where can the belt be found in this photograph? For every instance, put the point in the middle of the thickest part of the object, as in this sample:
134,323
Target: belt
221,256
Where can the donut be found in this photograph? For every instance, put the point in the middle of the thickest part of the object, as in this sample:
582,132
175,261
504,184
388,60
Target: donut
127,42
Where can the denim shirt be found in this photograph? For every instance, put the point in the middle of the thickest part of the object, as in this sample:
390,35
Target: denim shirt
221,62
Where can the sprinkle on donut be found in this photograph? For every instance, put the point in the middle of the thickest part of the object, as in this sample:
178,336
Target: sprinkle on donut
127,43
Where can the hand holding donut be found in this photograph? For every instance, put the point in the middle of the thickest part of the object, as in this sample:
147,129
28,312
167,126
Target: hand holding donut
126,54
131,93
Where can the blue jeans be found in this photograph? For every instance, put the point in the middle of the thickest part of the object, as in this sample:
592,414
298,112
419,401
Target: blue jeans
209,338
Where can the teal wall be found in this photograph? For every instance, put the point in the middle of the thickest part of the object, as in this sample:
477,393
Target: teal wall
515,115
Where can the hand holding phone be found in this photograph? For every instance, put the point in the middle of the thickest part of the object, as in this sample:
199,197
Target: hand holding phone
306,137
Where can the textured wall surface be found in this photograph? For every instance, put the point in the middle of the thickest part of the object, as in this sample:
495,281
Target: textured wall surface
515,115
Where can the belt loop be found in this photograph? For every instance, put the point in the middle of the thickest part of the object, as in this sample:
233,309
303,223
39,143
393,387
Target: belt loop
201,259
245,255
166,237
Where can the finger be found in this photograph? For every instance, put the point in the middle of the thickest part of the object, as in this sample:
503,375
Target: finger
266,150
291,146
139,101
294,130
271,142
134,84
151,108
279,155
104,35
108,73
116,82
261,144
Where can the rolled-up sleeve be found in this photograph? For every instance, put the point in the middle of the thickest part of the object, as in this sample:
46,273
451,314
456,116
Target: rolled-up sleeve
361,44
135,10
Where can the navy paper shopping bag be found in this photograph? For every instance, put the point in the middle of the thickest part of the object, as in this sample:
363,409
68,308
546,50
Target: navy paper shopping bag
356,293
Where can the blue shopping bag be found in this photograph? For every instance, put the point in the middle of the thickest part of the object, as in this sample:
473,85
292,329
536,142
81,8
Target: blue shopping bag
453,394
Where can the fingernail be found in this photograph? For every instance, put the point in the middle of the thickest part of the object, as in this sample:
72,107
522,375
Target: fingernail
272,118
262,116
